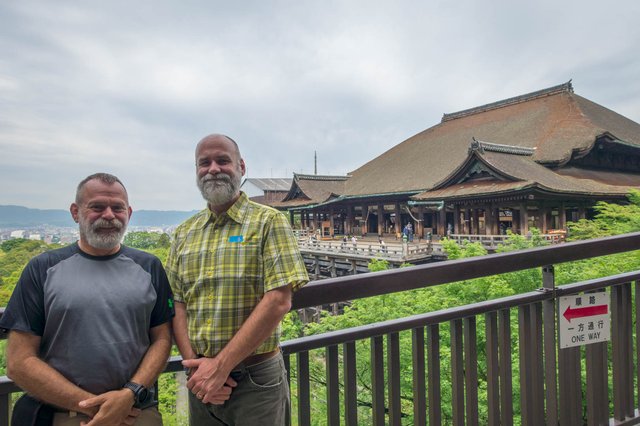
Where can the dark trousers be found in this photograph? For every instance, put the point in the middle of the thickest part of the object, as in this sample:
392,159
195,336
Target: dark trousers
261,398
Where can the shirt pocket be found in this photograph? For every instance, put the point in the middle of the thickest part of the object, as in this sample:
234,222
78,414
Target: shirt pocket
238,261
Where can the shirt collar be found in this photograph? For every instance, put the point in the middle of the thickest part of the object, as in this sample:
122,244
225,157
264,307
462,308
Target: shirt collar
236,212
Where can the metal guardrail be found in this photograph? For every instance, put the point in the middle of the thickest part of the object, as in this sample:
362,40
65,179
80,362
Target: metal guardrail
550,378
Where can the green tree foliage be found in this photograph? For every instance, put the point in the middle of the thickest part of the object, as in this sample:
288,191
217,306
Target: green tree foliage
610,219
147,240
376,265
14,255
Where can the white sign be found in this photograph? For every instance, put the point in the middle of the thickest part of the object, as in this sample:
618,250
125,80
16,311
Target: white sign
584,319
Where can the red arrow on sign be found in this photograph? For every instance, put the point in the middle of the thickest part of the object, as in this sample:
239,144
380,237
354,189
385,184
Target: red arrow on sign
588,311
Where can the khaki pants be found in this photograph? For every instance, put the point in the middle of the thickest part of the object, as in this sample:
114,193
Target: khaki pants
149,417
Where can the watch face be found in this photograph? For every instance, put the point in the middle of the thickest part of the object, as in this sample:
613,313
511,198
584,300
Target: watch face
142,395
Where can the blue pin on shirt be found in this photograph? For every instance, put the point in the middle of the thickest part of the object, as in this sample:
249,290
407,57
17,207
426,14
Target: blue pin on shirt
236,239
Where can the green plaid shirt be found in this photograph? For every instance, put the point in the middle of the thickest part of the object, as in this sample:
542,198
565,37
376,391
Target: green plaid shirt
220,266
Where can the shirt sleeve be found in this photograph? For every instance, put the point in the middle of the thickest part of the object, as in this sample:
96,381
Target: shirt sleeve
163,310
25,311
171,268
283,263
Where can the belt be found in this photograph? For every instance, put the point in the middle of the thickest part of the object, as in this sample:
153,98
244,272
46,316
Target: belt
257,358
64,411
249,361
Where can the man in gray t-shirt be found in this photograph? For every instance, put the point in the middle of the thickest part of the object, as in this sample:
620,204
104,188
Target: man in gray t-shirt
90,322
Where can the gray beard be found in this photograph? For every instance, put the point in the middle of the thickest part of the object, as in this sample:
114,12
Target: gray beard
219,190
103,240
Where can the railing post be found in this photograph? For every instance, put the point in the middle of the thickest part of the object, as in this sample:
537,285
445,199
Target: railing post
333,386
506,379
550,347
622,350
433,363
638,340
526,369
377,380
419,385
350,384
493,383
304,394
5,403
471,370
393,371
457,373
570,386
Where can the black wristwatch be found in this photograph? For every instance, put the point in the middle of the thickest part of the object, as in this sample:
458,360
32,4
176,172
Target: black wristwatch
140,393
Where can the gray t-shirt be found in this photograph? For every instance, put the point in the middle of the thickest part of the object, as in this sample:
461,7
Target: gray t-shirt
93,313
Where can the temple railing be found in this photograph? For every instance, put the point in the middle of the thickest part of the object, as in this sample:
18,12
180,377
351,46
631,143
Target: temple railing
492,241
595,384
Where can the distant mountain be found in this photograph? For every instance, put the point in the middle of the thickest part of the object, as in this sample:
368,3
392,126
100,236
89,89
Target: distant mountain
159,217
18,216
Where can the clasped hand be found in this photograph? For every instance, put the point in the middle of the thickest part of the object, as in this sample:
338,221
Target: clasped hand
208,382
114,408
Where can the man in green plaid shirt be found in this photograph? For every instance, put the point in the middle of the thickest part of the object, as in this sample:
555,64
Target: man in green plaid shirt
233,268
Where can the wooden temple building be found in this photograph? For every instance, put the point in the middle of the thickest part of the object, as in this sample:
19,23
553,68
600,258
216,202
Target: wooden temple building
536,160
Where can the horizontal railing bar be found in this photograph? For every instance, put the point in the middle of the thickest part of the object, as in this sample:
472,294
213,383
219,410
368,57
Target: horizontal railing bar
174,364
597,283
7,386
333,290
318,341
445,315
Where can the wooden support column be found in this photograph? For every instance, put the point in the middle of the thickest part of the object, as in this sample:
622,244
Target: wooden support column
442,222
562,217
475,221
467,221
398,224
380,211
544,211
348,224
457,229
331,223
489,219
291,217
365,221
524,219
495,225
582,212
420,225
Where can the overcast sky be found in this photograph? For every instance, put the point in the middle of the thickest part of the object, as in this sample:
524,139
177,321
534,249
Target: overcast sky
129,87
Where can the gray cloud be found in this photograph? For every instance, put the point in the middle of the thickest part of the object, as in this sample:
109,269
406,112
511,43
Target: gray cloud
131,87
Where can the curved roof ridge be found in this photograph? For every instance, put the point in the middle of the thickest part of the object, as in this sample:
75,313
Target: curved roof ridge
561,88
319,177
482,146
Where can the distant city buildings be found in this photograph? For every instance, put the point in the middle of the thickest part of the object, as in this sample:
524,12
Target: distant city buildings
65,235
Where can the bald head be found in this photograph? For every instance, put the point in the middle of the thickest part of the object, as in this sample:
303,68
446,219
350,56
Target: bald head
217,137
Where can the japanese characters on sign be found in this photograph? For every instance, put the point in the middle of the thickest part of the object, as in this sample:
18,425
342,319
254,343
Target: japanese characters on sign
584,319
